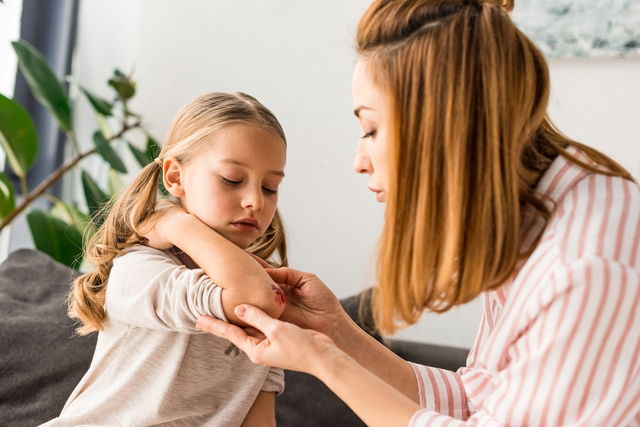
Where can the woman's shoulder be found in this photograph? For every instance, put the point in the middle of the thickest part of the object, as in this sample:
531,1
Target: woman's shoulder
599,217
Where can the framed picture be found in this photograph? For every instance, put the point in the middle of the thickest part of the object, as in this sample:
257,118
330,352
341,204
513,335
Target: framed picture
581,28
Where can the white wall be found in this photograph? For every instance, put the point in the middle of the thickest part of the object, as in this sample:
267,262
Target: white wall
297,58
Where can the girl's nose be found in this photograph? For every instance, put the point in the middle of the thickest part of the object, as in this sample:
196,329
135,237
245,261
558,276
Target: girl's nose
362,162
253,198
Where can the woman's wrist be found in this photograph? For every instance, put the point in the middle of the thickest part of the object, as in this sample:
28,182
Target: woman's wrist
345,332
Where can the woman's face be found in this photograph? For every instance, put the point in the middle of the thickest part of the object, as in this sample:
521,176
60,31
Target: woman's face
371,109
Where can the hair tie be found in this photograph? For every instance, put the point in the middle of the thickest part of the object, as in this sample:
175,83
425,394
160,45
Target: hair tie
158,161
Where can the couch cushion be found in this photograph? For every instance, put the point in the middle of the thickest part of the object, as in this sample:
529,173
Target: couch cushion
41,360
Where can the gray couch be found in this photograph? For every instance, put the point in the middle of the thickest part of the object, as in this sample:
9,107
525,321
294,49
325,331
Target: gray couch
41,360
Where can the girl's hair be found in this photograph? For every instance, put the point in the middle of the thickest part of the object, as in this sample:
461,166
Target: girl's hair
470,137
188,134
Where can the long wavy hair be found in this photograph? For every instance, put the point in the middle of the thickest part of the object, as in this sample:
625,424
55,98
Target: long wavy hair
187,136
470,136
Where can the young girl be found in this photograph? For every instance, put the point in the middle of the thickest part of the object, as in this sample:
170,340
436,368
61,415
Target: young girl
162,264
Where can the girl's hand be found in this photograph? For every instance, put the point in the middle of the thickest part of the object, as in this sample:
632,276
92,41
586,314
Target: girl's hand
272,342
310,303
155,230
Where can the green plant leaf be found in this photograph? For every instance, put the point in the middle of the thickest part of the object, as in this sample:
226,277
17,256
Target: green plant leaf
53,236
94,196
73,216
141,156
44,84
107,152
123,85
153,148
115,183
7,196
18,136
100,105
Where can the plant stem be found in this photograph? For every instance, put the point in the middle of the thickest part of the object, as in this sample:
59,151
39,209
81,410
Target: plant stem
74,140
24,186
55,175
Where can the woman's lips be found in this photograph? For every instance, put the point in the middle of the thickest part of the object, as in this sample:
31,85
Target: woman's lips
378,193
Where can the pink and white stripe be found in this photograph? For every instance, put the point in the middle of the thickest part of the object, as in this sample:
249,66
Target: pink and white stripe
559,344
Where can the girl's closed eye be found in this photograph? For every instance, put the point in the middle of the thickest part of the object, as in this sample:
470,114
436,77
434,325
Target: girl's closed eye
229,181
269,190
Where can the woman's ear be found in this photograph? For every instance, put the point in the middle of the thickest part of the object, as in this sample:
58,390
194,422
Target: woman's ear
172,176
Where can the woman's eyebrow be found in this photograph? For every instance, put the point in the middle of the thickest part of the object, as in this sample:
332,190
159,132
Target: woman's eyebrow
239,163
360,108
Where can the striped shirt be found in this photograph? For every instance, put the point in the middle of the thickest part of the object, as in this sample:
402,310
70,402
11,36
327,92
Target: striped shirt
559,343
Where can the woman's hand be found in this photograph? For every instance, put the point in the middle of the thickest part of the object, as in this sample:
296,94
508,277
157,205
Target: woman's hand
272,342
154,230
310,303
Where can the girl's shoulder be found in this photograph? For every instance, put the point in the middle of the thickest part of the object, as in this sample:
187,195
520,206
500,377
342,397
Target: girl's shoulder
141,256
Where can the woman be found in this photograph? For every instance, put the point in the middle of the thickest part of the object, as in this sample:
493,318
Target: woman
484,198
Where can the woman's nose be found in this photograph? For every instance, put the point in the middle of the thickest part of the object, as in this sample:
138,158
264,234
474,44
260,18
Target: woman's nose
362,162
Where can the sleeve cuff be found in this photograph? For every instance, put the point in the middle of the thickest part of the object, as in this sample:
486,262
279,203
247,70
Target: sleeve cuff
215,303
274,381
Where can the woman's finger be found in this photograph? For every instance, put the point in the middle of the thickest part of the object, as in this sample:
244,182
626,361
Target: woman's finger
227,331
285,275
257,318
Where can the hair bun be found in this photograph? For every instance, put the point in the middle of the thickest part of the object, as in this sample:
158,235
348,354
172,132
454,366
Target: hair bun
507,5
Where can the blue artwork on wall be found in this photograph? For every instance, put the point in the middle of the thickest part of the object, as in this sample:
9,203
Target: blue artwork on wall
581,28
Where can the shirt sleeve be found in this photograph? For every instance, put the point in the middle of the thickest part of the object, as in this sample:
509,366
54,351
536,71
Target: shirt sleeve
575,362
274,381
148,289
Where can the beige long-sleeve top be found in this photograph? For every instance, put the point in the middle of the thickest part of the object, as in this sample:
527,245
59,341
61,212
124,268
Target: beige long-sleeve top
151,366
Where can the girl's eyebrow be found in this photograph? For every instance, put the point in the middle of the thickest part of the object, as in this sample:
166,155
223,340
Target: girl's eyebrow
239,163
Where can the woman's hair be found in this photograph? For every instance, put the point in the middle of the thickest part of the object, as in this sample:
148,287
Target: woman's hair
469,138
188,134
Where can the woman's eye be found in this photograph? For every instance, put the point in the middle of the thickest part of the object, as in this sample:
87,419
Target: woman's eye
369,134
230,181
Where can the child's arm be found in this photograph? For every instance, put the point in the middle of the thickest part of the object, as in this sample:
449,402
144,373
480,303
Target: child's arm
228,266
262,413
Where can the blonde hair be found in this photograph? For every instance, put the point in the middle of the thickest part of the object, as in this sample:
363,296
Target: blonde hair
187,135
470,137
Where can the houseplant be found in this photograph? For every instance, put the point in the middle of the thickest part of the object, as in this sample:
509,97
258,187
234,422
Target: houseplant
59,231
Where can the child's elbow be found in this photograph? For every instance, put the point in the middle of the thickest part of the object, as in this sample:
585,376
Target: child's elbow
270,300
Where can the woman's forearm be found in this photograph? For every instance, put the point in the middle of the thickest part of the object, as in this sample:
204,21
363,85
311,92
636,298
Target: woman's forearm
376,358
372,398
228,266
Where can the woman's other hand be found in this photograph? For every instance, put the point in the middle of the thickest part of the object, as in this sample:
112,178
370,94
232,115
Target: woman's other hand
272,342
310,303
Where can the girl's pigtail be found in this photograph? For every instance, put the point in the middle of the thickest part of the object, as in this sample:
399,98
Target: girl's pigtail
119,231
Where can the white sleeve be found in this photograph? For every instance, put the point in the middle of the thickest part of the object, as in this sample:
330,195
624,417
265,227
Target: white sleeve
149,289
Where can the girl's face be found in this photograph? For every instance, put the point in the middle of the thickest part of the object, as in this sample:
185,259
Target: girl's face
232,186
372,112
